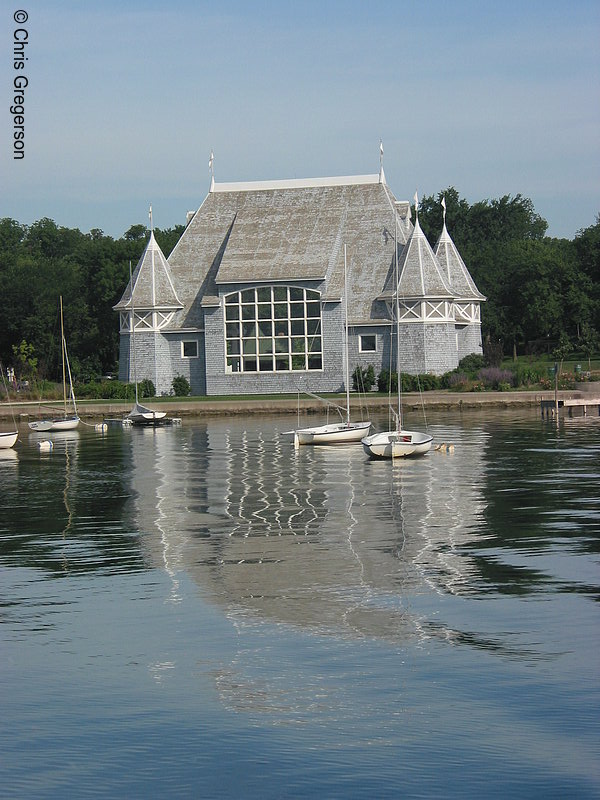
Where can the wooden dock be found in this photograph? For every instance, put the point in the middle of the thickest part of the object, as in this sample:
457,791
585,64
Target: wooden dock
553,406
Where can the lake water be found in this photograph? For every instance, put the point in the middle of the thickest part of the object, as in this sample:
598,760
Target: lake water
202,611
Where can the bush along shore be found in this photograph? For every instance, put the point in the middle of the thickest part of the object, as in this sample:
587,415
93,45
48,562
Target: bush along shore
472,385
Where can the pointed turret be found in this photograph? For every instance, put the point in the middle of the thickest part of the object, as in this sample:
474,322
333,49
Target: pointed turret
455,271
153,287
419,270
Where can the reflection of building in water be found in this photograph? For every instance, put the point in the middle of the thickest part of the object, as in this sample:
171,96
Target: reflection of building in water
324,540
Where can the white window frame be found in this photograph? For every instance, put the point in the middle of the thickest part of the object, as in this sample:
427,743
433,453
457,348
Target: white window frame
189,341
275,329
362,349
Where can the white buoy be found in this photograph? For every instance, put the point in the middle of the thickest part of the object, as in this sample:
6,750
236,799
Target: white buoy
45,446
101,427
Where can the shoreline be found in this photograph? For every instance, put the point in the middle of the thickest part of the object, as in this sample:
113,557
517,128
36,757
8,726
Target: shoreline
206,406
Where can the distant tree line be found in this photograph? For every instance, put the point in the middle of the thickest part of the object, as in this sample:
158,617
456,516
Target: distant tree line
541,292
40,262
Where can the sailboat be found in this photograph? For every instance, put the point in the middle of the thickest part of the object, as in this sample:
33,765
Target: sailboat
8,438
343,432
139,414
397,443
69,421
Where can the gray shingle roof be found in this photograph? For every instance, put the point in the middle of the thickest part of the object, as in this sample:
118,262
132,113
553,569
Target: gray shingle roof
454,268
420,273
152,283
290,231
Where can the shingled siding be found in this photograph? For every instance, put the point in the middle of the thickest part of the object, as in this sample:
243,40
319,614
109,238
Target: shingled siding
158,358
143,363
380,359
469,340
329,379
172,364
428,348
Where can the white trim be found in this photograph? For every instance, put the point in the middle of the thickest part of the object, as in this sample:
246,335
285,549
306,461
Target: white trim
296,183
269,337
360,343
190,341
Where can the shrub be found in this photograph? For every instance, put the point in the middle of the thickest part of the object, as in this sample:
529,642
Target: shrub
363,379
146,388
527,375
181,386
428,382
491,377
471,364
457,381
566,380
106,390
384,379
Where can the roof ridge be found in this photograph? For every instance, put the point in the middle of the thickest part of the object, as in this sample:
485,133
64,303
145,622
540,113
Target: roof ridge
297,183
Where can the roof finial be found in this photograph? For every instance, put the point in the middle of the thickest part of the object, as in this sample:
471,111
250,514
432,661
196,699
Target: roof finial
151,223
444,207
211,169
380,160
416,207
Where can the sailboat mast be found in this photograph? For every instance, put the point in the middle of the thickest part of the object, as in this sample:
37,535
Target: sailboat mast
398,325
62,351
346,340
132,341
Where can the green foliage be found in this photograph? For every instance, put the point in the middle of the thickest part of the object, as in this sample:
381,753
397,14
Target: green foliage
363,378
527,374
589,342
410,383
40,262
146,388
472,363
563,348
181,386
387,381
25,361
105,390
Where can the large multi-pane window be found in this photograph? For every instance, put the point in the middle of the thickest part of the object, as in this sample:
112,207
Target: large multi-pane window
273,329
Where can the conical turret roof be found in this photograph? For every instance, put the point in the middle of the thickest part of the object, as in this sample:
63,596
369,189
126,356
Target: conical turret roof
152,283
455,271
420,273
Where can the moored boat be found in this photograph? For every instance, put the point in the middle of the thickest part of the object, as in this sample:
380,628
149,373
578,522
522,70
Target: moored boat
8,439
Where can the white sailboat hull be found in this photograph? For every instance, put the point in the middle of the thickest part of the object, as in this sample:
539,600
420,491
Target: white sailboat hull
335,433
61,424
8,439
397,444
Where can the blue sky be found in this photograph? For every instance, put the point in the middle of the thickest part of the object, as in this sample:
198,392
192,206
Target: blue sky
126,100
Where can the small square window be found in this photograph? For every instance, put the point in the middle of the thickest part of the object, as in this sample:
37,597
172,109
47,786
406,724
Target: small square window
189,349
368,343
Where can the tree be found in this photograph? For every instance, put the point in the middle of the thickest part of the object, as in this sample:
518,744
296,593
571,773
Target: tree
589,342
562,350
25,360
